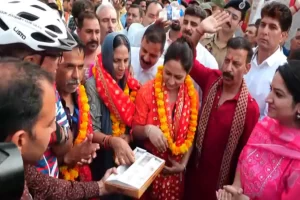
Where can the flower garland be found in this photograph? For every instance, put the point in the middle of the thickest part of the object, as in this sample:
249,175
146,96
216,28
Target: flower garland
164,126
85,128
118,127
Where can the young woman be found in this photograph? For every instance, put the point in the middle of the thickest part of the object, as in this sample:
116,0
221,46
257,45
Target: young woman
166,119
269,166
111,92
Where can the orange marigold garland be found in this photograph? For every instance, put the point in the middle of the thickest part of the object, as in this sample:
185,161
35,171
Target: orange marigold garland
85,128
118,127
164,126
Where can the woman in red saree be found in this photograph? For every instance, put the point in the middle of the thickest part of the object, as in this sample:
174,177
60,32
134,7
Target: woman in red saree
111,92
269,165
166,119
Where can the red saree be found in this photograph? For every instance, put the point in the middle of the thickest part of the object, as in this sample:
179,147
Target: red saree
164,187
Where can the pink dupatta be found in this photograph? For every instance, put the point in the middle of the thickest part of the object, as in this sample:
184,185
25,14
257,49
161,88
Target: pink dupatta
270,162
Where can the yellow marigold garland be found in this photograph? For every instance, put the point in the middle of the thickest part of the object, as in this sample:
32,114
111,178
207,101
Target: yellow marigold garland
165,128
118,127
71,174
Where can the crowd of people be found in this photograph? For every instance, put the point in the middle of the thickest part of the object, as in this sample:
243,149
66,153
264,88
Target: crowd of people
85,82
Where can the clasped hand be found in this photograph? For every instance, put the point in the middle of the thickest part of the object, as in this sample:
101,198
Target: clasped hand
82,153
230,192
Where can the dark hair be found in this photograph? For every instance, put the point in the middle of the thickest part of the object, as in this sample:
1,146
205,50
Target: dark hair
21,95
280,12
295,55
18,50
148,3
194,2
118,41
183,51
195,10
155,33
290,73
86,15
257,22
141,12
241,43
184,3
80,6
79,44
55,7
254,25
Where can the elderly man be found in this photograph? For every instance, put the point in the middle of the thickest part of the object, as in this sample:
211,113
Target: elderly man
108,19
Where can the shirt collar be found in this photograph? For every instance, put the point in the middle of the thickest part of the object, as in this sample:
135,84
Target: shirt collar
148,71
74,98
271,60
217,43
168,39
236,97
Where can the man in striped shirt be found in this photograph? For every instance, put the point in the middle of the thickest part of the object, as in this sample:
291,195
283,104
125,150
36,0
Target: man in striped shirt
48,164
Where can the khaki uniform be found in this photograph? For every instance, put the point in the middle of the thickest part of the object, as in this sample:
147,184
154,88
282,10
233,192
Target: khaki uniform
217,49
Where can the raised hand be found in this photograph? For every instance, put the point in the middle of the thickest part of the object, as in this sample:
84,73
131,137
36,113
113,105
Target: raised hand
123,153
213,23
163,23
82,153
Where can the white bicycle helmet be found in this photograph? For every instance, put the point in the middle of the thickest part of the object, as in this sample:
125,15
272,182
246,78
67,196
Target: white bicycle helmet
35,24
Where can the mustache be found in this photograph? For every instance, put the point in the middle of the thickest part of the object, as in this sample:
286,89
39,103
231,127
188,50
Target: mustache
228,75
73,82
93,42
176,25
188,33
228,24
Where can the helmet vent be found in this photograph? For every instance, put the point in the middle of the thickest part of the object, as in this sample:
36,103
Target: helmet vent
38,7
28,16
3,26
54,28
51,34
41,38
14,2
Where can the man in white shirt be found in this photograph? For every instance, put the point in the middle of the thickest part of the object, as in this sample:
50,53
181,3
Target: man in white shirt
268,56
147,58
